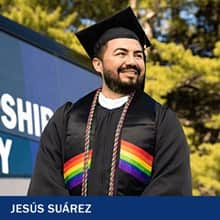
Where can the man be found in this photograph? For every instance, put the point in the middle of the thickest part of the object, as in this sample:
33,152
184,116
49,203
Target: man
117,140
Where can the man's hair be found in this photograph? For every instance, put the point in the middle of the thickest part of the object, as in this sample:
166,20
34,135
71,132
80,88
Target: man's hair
99,50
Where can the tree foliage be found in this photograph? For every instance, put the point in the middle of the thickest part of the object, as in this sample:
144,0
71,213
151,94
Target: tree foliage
193,23
183,68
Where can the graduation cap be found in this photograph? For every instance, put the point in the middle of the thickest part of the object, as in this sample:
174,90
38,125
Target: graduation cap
124,24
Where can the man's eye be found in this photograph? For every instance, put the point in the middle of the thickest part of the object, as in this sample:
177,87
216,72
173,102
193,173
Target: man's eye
120,54
139,56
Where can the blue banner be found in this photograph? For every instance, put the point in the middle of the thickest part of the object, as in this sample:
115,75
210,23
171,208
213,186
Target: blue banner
33,84
109,208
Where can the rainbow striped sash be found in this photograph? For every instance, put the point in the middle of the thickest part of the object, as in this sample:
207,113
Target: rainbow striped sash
73,170
135,161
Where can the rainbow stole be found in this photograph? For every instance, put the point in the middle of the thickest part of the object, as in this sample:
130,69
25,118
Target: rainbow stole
133,160
73,170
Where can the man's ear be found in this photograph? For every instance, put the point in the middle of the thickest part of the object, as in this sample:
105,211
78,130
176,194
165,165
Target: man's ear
97,65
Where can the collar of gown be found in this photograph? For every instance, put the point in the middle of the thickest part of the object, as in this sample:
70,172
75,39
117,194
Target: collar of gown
112,103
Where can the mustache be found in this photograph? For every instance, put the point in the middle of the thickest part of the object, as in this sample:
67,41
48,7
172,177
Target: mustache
129,67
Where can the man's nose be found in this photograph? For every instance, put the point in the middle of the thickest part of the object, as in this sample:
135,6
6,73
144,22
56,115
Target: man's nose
131,60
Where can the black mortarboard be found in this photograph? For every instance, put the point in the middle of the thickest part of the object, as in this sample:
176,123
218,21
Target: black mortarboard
123,24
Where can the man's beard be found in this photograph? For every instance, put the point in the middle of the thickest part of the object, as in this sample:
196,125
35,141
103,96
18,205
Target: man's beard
116,85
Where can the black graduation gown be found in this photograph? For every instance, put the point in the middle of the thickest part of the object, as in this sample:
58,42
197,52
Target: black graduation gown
153,157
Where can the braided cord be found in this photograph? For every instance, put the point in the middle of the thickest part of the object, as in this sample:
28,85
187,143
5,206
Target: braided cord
87,144
115,147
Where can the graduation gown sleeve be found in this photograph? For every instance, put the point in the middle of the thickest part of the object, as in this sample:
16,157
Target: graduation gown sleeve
171,173
47,176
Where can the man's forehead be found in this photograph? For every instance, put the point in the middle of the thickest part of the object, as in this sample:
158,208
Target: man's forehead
124,43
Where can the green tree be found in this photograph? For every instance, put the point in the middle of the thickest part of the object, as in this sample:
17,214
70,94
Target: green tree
194,23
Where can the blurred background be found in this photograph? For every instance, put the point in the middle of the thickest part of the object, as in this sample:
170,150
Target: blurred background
183,64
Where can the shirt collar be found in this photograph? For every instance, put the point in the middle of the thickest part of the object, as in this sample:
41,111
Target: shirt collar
112,103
